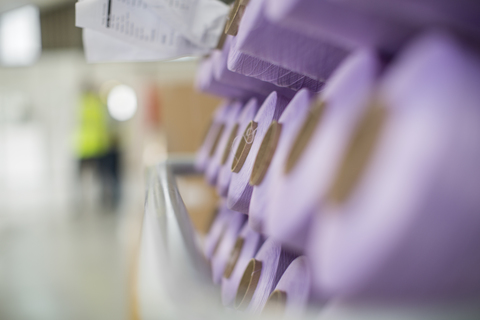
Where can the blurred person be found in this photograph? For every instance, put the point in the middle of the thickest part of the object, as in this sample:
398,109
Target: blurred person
110,170
97,152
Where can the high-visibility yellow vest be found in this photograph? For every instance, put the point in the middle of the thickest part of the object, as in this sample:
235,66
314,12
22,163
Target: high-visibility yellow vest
91,136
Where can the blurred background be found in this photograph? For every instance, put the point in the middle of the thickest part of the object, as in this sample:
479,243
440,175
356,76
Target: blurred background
75,139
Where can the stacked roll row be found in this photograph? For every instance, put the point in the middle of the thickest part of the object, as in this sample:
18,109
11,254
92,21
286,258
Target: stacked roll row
351,178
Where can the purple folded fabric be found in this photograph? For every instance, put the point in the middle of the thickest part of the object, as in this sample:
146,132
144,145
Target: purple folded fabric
207,149
225,174
211,172
303,187
290,121
407,231
339,23
260,38
223,75
206,82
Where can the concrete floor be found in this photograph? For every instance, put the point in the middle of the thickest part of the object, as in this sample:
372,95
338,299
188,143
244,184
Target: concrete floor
67,263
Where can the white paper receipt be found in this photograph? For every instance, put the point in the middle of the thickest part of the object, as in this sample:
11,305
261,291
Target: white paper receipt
100,47
172,28
200,21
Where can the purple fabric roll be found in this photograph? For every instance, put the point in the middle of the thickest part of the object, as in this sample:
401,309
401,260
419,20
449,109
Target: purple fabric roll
216,229
240,190
459,15
215,162
295,284
225,174
288,49
346,96
223,75
251,242
291,120
409,230
253,67
205,83
274,262
204,153
339,23
232,226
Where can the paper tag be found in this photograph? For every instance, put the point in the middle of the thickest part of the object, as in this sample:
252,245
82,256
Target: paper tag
200,21
135,23
100,47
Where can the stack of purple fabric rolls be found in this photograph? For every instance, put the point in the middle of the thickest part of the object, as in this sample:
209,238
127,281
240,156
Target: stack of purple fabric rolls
346,155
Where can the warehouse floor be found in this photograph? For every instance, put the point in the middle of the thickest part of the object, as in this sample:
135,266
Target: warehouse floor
66,263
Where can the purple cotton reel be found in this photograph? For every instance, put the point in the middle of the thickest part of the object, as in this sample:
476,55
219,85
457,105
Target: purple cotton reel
250,66
318,147
223,75
293,292
216,229
459,16
208,147
240,190
215,162
260,38
340,23
261,276
232,226
279,147
405,229
245,249
246,116
205,82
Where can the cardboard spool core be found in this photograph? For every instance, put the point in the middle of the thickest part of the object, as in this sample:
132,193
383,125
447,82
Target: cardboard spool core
265,153
214,216
305,134
358,153
217,139
248,284
211,126
235,16
244,146
277,302
221,40
219,241
229,145
234,255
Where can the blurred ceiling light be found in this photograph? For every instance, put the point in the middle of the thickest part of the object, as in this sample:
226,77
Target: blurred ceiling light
20,40
122,102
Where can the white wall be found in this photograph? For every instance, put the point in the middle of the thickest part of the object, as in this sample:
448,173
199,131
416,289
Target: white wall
52,89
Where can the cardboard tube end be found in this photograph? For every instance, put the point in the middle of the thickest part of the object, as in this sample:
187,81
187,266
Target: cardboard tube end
276,303
235,254
248,284
358,153
244,146
305,135
265,153
235,16
217,139
228,147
